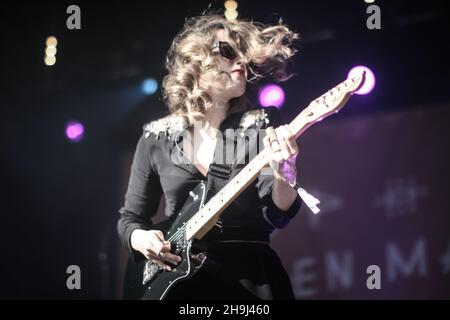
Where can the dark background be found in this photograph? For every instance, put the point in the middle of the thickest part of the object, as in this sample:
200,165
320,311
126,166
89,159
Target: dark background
60,199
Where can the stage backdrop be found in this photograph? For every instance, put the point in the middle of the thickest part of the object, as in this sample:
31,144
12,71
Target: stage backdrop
382,180
383,184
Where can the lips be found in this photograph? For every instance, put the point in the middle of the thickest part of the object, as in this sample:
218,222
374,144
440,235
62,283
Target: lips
240,71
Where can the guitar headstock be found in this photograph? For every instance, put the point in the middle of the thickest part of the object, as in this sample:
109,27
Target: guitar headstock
333,100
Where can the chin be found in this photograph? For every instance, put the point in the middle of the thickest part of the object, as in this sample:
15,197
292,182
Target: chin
237,90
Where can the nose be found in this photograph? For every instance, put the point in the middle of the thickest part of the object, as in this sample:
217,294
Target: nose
239,63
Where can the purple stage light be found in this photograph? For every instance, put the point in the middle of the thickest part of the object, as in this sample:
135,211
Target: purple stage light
74,131
369,84
271,95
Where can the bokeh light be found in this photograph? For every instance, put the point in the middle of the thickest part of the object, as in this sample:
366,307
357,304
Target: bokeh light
51,41
369,84
49,61
271,95
149,86
74,131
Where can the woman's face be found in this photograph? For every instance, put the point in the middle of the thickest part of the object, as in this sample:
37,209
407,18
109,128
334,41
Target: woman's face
223,88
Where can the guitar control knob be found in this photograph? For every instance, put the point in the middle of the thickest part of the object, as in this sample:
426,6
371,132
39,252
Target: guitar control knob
193,195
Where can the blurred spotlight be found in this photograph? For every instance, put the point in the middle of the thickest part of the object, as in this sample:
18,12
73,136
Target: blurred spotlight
74,131
49,61
370,79
149,86
50,51
231,14
271,95
369,1
51,41
230,5
230,9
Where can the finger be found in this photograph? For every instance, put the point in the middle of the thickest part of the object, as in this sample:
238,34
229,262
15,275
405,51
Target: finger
267,146
172,258
148,254
166,246
290,140
161,248
284,149
159,235
287,140
278,157
271,134
266,142
158,260
162,264
273,141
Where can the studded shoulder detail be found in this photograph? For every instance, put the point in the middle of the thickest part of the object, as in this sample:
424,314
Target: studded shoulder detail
168,125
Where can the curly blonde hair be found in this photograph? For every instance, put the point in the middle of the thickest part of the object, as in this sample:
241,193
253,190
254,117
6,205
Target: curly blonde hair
264,50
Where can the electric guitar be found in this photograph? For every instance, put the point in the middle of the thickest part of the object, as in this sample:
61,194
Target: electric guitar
147,280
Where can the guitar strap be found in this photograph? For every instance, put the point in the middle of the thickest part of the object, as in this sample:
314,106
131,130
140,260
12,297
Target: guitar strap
217,177
220,170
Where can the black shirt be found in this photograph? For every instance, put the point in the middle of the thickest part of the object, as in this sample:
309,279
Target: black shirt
159,167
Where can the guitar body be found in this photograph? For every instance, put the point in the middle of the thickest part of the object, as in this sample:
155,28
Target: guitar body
146,280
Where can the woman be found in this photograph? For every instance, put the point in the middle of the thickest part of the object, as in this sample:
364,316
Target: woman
209,64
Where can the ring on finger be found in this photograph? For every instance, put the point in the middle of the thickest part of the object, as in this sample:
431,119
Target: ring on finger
274,140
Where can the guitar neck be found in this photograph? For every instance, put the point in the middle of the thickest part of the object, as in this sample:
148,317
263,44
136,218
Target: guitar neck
330,102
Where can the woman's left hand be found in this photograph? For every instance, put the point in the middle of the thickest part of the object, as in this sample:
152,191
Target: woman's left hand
284,150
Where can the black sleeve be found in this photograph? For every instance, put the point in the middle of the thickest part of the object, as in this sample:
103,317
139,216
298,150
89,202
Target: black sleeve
142,196
274,215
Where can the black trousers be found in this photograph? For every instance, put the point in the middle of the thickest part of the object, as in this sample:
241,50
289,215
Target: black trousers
237,271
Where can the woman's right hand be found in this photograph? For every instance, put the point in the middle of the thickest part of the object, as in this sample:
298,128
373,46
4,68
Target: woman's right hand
152,245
